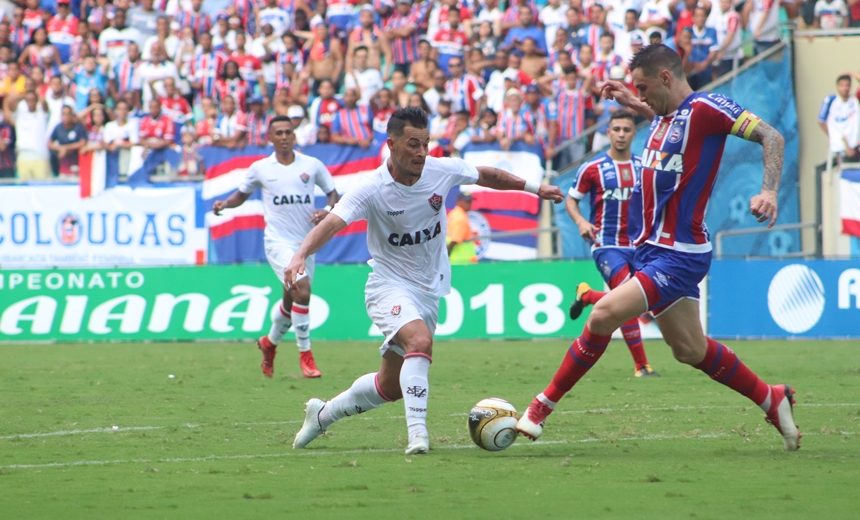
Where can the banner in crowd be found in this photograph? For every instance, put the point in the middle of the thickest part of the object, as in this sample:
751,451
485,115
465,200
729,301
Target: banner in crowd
52,226
849,199
100,170
237,235
767,91
492,300
785,299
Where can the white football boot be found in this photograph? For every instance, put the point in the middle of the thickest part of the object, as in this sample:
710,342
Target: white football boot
311,429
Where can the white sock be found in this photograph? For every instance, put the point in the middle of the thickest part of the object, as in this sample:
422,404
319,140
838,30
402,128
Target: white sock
765,406
280,325
302,324
545,400
415,388
361,397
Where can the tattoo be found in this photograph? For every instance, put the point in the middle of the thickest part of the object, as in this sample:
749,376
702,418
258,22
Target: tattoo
498,179
772,145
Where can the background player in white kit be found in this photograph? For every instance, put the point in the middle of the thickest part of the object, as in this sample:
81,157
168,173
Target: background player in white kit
287,179
403,202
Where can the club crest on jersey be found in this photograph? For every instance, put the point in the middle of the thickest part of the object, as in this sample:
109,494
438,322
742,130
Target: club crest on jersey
395,311
663,161
305,177
676,133
436,202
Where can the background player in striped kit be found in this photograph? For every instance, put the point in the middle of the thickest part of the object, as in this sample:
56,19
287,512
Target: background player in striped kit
608,180
673,248
287,179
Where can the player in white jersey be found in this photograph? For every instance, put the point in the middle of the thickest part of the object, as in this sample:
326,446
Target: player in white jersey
287,179
403,202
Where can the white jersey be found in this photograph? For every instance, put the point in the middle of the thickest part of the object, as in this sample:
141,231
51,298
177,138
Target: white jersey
843,121
288,195
407,225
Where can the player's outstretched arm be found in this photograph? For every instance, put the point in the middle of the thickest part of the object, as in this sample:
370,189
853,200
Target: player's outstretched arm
586,228
495,178
237,198
764,205
617,91
318,237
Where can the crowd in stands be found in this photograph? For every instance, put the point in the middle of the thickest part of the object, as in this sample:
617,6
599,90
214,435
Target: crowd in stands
86,75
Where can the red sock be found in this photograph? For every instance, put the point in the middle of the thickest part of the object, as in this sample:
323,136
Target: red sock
591,297
723,366
582,355
633,337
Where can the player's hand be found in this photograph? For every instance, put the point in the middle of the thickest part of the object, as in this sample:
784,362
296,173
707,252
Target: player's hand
586,231
764,207
318,216
616,90
296,268
218,207
550,192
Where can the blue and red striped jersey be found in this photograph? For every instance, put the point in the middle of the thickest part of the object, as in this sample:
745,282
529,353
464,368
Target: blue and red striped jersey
679,166
353,122
405,50
609,185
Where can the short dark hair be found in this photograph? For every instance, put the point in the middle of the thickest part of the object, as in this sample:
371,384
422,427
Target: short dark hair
622,114
464,113
655,57
843,77
280,119
360,48
634,11
570,69
403,117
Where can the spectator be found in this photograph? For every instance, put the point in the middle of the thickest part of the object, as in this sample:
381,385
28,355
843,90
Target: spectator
512,126
401,29
30,118
451,41
155,71
484,131
62,29
325,55
205,67
461,134
417,100
250,67
434,95
40,52
492,13
273,15
169,42
67,139
423,69
571,104
114,41
830,15
399,92
7,150
121,134
92,75
96,130
323,134
839,117
854,6
13,81
369,34
684,17
606,58
352,123
257,122
174,106
223,37
305,132
485,39
553,16
728,26
231,84
100,15
511,17
195,18
439,125
157,132
630,32
382,111
266,47
230,127
125,74
763,18
532,63
322,111
19,33
542,115
190,161
33,16
205,127
605,110
703,51
55,98
463,89
525,29
363,79
655,13
144,18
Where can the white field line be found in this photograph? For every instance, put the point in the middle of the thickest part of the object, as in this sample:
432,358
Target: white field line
307,453
597,411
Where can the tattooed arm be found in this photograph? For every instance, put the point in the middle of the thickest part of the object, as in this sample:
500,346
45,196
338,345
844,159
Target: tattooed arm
764,205
501,180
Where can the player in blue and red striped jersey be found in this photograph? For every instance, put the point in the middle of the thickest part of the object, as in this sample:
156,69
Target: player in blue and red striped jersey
608,181
673,249
352,124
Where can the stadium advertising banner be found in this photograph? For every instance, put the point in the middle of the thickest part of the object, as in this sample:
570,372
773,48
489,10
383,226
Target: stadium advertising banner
785,299
52,226
231,302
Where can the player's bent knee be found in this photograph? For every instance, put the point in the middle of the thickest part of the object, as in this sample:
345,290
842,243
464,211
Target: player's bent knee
603,320
419,343
687,352
301,293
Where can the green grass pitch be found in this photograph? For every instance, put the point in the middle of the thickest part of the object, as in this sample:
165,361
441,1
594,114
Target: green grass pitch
215,440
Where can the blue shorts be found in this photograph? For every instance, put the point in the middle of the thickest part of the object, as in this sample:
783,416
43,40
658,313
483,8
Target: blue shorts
614,263
666,275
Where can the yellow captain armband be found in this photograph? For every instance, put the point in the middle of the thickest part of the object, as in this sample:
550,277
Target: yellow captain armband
744,125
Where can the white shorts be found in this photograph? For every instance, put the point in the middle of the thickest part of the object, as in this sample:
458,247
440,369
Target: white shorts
279,255
391,306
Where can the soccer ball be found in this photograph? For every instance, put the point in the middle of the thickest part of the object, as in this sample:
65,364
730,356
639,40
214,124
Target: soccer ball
493,424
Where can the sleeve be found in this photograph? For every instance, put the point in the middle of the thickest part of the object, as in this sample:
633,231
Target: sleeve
581,183
819,5
169,129
459,171
134,131
103,45
323,178
825,109
349,81
356,203
552,111
251,181
725,116
336,127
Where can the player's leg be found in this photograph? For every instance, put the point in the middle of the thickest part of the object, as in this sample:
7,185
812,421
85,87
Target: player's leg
416,340
682,331
631,331
281,323
300,294
616,308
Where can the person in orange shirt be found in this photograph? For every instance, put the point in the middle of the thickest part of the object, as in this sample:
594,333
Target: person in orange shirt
14,81
461,248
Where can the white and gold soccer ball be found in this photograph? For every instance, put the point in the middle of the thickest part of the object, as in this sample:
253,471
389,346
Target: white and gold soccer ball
493,424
